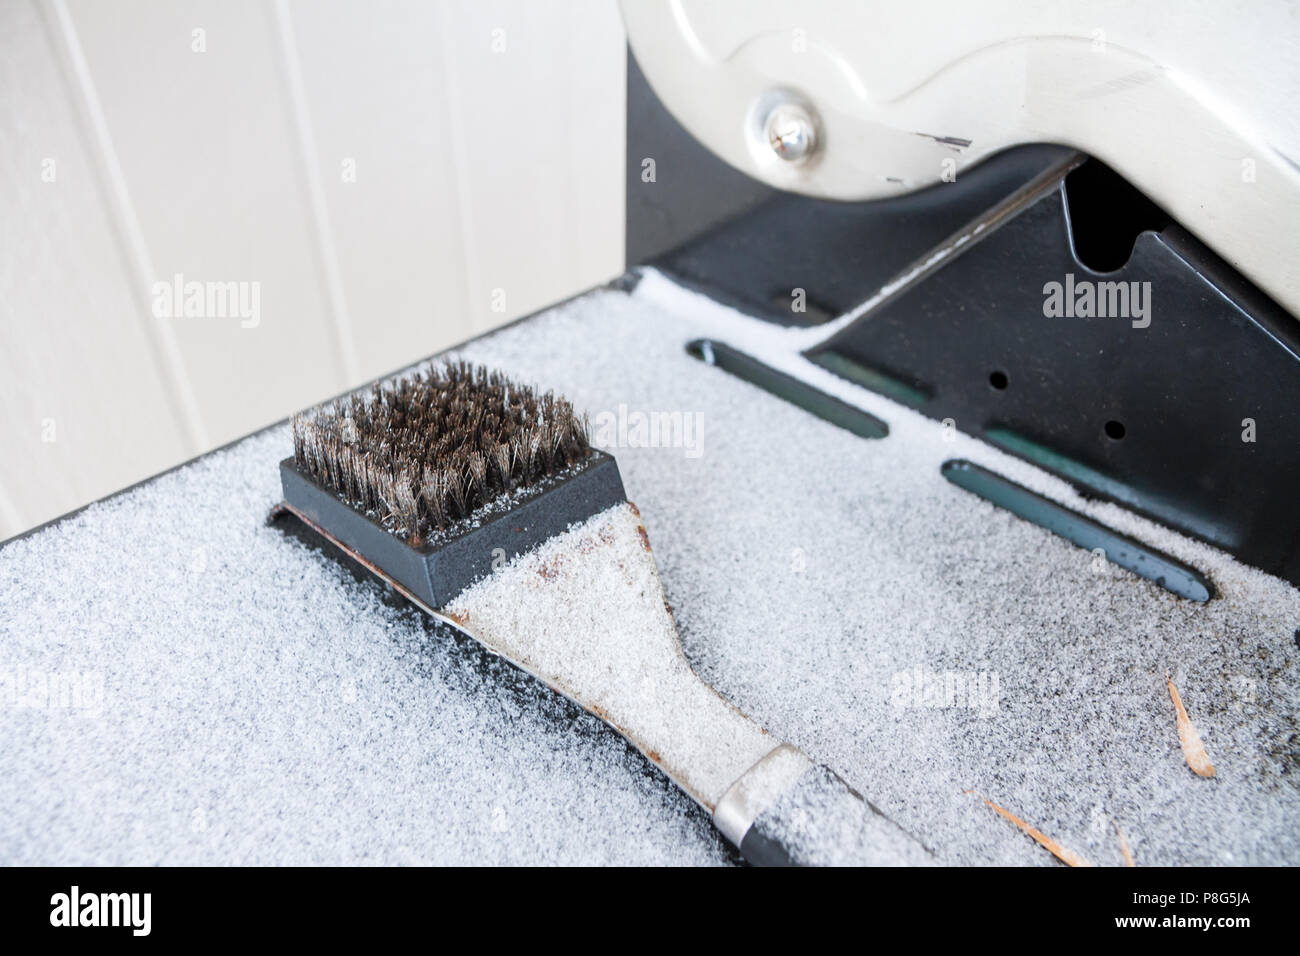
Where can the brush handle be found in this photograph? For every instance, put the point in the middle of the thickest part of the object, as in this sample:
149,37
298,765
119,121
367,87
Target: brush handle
786,811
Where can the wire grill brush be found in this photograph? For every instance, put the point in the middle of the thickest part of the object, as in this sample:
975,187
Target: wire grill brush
484,503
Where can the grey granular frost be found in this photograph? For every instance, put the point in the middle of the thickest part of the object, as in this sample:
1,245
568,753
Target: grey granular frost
180,683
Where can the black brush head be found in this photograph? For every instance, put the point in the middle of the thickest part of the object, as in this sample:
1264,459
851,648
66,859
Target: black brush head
425,451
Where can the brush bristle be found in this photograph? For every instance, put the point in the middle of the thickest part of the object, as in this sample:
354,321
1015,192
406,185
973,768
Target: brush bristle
425,451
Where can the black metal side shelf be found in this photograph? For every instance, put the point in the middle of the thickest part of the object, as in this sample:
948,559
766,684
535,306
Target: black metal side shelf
1169,385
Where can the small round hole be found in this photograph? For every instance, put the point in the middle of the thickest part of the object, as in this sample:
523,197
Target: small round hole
998,380
1115,430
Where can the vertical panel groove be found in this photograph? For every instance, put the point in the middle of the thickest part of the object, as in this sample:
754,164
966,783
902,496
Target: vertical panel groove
121,213
460,163
310,163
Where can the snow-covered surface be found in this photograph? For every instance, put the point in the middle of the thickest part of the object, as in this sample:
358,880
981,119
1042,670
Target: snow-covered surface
258,704
819,821
585,613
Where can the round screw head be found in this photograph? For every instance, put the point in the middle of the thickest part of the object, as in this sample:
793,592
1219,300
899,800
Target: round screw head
791,132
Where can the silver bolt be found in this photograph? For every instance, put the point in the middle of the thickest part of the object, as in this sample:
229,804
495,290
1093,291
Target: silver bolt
791,131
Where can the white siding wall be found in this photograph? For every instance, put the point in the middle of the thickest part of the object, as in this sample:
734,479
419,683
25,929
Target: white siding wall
128,157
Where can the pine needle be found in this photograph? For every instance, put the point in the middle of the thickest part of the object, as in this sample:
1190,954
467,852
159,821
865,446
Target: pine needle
1193,748
1051,846
1123,846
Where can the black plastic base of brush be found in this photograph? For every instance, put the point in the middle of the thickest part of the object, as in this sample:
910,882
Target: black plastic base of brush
436,573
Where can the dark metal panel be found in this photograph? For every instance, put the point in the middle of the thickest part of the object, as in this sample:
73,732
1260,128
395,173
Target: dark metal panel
692,189
1168,572
840,254
1148,411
